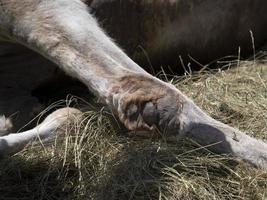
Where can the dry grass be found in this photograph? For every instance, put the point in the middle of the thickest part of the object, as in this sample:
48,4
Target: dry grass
100,162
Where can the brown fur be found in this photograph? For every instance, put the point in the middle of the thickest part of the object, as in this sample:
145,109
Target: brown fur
137,92
155,32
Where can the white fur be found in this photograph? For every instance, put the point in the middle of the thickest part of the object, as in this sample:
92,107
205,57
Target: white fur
64,32
5,125
15,142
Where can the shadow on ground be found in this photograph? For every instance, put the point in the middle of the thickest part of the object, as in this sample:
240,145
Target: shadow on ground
28,179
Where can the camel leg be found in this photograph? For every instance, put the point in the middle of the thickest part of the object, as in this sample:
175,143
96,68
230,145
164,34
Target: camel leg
64,32
15,142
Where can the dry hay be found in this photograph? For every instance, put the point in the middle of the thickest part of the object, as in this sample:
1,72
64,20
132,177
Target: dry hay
101,162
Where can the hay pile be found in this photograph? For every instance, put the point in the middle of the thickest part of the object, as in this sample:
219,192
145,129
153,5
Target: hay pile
101,162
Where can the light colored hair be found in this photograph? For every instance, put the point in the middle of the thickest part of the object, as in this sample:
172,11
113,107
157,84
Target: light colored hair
5,125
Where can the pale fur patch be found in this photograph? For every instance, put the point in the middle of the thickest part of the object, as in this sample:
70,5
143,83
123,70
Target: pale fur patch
5,125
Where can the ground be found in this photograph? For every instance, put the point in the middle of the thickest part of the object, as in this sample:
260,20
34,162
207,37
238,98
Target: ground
98,160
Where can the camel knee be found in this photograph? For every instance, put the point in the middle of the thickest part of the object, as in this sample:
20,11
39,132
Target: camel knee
58,120
144,104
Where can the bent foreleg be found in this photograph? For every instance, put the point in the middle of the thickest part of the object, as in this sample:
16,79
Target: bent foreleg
15,142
